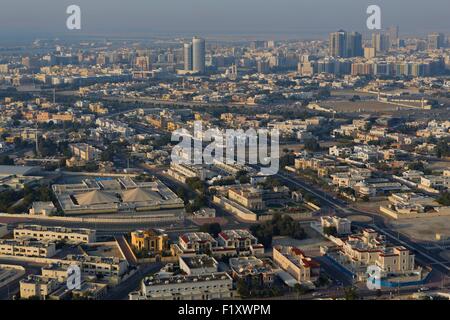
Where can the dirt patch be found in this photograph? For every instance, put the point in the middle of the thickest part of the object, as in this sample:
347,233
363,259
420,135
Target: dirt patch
202,221
424,229
360,218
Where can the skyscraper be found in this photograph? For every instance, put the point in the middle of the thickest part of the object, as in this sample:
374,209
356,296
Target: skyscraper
393,33
380,42
436,41
187,57
345,44
198,55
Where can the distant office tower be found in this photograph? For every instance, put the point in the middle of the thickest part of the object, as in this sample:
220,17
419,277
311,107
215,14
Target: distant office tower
345,44
271,44
263,66
393,33
436,41
170,57
369,53
258,44
198,55
380,42
142,63
187,57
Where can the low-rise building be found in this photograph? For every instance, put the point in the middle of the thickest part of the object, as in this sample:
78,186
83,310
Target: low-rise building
252,269
413,205
359,251
90,291
96,265
194,243
294,261
84,151
55,233
342,225
35,286
198,265
40,208
57,271
242,240
150,241
27,248
205,287
251,198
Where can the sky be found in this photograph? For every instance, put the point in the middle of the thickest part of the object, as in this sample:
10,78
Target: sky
142,18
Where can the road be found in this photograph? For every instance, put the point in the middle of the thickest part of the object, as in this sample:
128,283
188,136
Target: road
121,291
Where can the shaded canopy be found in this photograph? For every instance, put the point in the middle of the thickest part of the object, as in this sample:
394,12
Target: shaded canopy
140,195
95,197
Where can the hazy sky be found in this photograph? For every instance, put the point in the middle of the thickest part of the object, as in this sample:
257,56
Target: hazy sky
40,18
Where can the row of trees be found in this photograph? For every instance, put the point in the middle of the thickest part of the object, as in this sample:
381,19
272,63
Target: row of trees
444,199
12,201
280,225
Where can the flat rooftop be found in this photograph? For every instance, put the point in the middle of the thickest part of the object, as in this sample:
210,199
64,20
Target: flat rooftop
200,261
152,281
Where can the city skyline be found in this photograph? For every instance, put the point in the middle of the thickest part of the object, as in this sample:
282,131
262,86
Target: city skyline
304,19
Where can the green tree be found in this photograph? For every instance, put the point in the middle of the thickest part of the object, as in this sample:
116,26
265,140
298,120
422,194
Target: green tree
312,145
444,199
351,293
330,231
242,288
211,228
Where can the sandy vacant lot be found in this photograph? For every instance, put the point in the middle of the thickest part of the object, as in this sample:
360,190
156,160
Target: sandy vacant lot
423,229
359,218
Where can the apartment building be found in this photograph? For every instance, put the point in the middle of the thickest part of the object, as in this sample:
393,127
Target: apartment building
369,248
296,263
242,240
57,271
37,286
55,233
205,287
27,248
434,184
182,172
197,242
96,265
252,269
378,187
194,243
342,225
84,151
198,265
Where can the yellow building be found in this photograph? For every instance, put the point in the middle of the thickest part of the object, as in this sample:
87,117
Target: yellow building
296,263
369,248
250,198
149,240
37,286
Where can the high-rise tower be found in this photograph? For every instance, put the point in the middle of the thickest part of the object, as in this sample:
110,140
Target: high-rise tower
198,55
187,57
